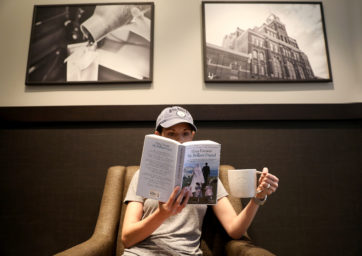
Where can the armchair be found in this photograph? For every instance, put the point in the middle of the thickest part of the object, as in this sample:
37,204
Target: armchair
106,239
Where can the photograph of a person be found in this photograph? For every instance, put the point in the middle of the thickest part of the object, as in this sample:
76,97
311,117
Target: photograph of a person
201,181
265,42
91,43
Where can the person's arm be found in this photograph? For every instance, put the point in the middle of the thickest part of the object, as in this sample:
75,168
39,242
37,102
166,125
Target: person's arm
135,229
237,225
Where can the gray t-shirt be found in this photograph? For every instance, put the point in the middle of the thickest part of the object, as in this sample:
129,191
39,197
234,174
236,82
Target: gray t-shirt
178,235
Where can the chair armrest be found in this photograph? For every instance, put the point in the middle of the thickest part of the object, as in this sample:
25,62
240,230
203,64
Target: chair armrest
104,236
245,247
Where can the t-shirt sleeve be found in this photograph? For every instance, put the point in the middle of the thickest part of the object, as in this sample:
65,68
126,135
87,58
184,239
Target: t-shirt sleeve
131,193
221,191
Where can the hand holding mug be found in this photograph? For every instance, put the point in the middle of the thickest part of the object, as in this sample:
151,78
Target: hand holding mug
243,183
268,184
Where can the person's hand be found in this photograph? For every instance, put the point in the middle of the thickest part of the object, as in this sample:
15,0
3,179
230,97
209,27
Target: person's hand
268,184
176,202
105,19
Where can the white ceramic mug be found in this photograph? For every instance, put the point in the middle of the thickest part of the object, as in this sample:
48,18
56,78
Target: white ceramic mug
242,182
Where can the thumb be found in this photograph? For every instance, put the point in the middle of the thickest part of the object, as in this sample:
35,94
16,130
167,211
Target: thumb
263,174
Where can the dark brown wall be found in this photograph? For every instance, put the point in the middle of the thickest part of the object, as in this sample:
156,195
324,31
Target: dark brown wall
52,177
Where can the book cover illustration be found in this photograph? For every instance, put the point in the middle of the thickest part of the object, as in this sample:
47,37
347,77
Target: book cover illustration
201,172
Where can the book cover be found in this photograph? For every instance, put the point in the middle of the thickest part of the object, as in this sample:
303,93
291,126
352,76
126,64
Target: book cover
166,163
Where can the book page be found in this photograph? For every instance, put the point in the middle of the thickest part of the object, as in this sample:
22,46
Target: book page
158,165
201,170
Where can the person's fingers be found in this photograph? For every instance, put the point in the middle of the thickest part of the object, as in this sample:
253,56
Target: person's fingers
186,199
269,187
181,201
272,177
268,183
263,174
172,198
180,197
268,180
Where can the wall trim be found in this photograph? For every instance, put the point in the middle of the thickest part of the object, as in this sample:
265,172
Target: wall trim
204,112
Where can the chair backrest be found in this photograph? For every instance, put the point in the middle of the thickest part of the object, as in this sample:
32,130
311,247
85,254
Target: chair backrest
129,172
213,235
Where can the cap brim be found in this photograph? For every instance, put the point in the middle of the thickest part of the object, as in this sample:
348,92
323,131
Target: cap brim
173,122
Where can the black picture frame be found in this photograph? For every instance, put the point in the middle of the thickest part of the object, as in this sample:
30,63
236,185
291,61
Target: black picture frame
98,43
265,42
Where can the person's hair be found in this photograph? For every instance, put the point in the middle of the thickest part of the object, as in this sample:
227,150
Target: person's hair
160,128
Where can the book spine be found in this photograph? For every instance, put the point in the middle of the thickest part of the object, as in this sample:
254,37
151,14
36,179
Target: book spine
179,166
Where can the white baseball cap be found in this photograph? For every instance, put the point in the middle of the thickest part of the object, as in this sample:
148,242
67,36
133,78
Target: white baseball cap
174,115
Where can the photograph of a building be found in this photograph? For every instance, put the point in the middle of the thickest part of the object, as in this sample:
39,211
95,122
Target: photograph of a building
265,51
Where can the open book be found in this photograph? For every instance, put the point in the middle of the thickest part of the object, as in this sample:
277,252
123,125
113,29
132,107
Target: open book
166,163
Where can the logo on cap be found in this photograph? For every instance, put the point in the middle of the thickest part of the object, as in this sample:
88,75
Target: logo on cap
181,113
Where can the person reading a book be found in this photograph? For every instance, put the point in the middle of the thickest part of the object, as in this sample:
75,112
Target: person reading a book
151,227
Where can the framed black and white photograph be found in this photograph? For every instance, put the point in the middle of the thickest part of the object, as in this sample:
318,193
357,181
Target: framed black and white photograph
265,42
91,44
